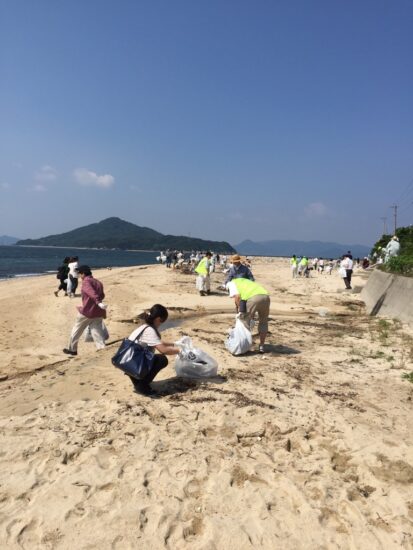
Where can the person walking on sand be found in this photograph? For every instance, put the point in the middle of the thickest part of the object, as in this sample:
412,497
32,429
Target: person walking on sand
347,265
62,275
91,312
203,281
73,277
294,266
238,270
251,298
148,335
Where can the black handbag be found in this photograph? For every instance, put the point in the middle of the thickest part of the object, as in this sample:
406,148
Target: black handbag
134,359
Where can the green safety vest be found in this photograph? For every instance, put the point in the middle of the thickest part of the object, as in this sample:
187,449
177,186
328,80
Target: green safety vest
201,268
304,262
247,289
293,261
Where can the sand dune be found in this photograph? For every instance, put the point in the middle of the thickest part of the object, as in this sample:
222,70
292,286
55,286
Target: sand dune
308,446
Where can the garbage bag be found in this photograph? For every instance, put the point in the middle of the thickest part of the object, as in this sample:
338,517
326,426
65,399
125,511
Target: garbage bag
239,339
193,362
342,272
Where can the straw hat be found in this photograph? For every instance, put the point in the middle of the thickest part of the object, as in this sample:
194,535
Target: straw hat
236,259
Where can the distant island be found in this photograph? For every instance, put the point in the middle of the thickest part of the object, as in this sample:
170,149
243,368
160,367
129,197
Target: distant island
6,240
311,248
116,233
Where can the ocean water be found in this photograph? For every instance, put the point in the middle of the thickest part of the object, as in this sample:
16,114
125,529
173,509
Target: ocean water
24,261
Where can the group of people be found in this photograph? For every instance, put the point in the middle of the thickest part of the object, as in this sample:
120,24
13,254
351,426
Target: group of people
91,314
250,298
303,266
68,276
175,259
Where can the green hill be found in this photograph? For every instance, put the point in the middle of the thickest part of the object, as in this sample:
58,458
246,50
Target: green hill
116,233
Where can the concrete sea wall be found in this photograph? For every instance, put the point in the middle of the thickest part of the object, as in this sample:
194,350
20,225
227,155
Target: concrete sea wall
389,295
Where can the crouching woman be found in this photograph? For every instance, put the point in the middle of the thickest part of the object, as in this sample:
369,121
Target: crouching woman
148,335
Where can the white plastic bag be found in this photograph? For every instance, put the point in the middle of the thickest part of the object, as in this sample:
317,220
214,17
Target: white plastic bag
193,362
239,339
342,272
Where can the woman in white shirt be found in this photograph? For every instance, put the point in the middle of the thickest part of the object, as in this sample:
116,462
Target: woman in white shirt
148,334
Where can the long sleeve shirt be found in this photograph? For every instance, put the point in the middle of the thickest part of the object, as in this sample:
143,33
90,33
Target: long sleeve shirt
92,295
239,272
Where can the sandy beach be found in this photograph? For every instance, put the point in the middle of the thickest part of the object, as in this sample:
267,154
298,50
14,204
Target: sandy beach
308,446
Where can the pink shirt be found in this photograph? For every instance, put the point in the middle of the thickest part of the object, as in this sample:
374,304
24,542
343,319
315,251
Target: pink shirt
92,294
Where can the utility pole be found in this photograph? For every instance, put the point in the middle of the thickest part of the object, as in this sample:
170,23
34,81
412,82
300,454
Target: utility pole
384,220
395,207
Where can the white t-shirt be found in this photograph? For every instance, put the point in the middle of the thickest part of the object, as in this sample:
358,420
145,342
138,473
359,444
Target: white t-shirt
232,288
149,336
72,269
347,263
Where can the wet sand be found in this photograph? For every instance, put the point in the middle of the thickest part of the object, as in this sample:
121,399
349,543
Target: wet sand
307,446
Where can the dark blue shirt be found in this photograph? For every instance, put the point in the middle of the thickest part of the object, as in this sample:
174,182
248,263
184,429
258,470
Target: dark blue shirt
240,271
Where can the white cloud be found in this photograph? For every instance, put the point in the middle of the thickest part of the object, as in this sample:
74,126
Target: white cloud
5,185
87,177
315,210
46,173
39,188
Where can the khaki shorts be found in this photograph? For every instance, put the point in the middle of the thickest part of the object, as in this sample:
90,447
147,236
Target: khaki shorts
261,305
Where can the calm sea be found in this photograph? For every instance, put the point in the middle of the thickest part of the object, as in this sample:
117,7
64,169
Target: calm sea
19,261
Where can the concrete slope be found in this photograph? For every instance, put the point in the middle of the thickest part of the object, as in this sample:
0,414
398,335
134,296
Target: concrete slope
389,295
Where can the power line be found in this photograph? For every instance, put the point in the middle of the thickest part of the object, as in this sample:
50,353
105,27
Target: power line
406,192
395,207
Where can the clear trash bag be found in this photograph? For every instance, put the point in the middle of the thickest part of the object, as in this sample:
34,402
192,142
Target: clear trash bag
239,339
193,362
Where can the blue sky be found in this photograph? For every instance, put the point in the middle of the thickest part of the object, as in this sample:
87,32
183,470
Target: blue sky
222,119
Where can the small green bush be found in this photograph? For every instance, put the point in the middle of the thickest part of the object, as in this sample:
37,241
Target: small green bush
403,264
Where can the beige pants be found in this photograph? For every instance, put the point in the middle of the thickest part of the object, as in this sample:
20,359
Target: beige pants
261,305
80,326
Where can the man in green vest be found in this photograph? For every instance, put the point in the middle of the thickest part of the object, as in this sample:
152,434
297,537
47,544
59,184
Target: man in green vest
303,267
203,282
250,297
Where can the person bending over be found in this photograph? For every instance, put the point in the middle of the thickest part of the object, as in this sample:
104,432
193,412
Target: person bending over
249,298
148,335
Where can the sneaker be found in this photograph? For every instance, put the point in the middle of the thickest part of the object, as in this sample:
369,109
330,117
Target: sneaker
261,349
69,351
56,293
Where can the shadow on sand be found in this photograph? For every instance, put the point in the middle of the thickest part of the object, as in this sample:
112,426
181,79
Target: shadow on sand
276,350
176,385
